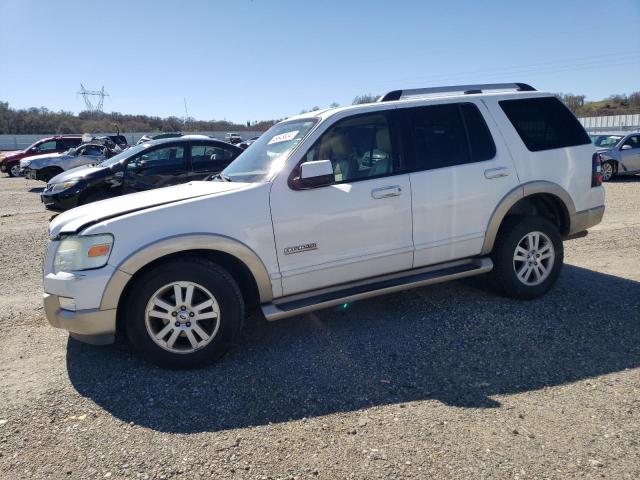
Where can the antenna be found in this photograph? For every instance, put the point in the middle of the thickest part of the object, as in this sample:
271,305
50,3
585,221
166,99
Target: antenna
92,104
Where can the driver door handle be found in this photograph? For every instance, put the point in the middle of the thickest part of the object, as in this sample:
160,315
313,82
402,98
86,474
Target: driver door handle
385,192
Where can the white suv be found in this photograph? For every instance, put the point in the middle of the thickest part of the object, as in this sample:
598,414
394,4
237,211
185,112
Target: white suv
330,207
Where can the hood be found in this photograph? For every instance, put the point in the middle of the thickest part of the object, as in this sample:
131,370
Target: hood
26,161
78,173
10,156
77,218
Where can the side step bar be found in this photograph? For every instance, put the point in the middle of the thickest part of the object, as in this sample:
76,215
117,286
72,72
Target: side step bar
310,301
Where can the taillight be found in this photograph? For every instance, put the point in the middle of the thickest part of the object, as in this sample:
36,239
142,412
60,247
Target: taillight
596,170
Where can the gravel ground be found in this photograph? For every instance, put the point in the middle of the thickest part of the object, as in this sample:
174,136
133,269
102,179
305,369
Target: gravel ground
449,381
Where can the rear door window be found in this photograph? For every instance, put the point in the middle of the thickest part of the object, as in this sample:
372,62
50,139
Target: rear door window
544,123
448,135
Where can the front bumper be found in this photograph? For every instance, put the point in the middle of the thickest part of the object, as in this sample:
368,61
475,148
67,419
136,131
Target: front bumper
91,326
60,201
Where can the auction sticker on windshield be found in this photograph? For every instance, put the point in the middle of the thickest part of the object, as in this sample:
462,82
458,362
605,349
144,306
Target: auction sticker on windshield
283,137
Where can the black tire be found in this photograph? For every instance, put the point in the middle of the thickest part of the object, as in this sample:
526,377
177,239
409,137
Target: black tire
95,196
202,272
14,170
504,276
610,169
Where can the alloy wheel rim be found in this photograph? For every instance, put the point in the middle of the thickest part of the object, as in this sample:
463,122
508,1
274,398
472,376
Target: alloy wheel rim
607,171
15,170
533,258
182,317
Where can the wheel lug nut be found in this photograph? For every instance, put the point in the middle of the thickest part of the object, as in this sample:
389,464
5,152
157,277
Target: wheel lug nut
177,324
183,308
191,314
174,313
188,324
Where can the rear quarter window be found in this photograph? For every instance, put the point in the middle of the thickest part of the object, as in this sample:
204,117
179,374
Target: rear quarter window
544,123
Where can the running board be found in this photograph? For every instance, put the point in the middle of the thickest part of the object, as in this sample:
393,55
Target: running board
307,302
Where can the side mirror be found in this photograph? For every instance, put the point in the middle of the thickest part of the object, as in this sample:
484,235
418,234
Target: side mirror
626,147
316,174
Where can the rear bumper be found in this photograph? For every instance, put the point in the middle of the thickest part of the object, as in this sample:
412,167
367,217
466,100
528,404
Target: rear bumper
585,219
91,326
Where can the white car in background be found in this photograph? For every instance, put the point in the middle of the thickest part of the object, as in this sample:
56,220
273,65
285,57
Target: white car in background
330,207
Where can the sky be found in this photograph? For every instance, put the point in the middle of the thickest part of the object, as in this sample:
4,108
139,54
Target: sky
247,60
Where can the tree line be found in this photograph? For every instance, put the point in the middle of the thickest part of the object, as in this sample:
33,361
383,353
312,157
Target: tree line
620,104
43,120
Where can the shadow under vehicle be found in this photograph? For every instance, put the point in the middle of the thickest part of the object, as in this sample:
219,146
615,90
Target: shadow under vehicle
450,343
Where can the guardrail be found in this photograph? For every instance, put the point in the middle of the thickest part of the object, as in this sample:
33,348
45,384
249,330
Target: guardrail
611,123
19,142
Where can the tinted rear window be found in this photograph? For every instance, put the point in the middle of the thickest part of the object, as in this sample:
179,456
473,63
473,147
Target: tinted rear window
544,123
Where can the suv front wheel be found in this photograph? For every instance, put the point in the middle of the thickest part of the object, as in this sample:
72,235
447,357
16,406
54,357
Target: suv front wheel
527,257
184,314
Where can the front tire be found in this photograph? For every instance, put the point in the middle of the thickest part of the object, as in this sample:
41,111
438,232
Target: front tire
608,171
184,314
14,170
527,257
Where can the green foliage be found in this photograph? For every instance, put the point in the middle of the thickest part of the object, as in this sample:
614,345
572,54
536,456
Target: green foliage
42,120
365,98
614,105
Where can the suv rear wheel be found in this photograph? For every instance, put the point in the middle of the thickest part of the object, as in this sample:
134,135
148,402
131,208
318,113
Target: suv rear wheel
184,314
527,257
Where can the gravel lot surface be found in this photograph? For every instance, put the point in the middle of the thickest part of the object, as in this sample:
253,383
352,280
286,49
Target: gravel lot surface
448,381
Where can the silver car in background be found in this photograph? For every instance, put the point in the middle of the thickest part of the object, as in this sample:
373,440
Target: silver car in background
619,153
45,167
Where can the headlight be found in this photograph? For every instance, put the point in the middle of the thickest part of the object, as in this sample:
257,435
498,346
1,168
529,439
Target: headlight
25,163
82,252
59,187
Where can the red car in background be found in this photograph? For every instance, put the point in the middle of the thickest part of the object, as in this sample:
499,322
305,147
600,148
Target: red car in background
10,162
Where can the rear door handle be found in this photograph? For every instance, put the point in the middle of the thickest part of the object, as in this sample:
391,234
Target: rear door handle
385,192
496,172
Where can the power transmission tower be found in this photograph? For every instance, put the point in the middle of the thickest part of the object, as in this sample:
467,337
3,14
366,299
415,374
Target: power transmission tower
93,105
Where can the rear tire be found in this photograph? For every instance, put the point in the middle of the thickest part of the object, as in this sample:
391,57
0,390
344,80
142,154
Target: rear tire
608,171
527,257
184,313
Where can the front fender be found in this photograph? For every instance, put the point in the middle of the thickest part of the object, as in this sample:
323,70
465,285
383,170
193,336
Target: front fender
183,243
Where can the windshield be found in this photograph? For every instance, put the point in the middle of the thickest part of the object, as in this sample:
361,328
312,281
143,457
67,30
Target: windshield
266,155
606,140
124,155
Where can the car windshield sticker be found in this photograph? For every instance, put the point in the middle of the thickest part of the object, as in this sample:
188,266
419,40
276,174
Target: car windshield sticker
283,137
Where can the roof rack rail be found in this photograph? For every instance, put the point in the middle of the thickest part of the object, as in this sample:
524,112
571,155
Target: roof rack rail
466,89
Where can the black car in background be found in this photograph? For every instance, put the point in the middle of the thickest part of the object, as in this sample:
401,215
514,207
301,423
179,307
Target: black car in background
154,164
